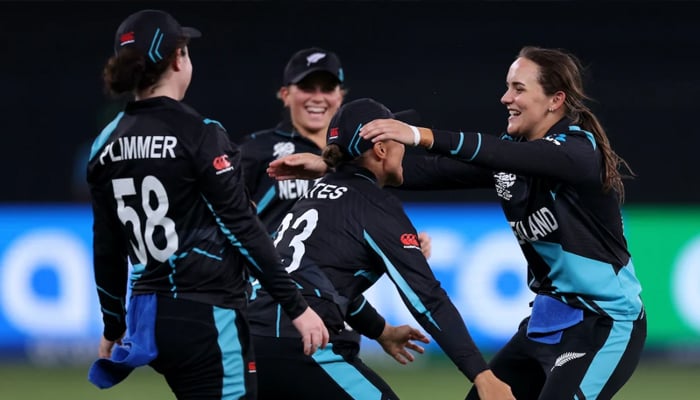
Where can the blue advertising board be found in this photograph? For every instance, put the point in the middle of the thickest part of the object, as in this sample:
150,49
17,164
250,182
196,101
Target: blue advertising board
49,309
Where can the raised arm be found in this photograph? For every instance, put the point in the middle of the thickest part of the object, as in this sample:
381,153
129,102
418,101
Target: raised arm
566,155
299,165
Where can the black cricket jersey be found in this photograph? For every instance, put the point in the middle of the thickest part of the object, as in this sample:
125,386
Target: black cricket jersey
569,229
338,240
274,198
167,190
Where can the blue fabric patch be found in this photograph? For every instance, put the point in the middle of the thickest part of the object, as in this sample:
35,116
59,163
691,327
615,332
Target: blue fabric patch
138,347
549,318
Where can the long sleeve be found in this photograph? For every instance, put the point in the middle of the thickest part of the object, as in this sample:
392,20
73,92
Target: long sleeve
439,172
110,264
364,318
394,241
223,189
567,156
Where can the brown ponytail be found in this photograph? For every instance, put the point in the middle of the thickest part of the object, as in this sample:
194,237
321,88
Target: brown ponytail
332,155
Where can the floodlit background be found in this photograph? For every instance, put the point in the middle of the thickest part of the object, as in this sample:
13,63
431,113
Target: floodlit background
448,61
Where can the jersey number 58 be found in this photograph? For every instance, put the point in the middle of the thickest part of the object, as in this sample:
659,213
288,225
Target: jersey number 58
144,244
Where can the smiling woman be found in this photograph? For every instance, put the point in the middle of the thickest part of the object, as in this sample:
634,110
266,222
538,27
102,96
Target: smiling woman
561,191
527,103
312,90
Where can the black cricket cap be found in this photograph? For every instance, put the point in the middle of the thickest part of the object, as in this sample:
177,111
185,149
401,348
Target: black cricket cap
154,32
344,129
313,59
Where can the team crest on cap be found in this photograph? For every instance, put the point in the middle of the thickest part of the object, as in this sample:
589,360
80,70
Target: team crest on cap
126,38
314,58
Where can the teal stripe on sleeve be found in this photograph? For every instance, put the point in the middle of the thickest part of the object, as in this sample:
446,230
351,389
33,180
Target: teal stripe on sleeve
400,282
104,135
459,145
478,147
231,237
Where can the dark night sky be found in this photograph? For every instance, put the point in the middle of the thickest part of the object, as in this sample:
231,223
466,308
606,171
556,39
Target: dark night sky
448,60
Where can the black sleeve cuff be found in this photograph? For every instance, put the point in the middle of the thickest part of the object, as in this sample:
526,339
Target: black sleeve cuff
114,330
365,319
463,145
296,306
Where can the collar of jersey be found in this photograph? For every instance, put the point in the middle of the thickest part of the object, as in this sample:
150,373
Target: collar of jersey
152,102
286,129
358,171
560,127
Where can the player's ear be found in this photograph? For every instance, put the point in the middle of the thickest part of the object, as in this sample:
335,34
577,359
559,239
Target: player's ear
557,100
283,94
178,60
379,149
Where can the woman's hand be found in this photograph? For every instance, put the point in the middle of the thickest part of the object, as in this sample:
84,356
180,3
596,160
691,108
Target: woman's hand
297,166
490,387
387,129
314,334
106,346
397,340
425,244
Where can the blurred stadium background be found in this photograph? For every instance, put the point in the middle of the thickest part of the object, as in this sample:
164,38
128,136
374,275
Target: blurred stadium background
445,59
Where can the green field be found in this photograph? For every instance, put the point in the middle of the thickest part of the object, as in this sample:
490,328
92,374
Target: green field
431,379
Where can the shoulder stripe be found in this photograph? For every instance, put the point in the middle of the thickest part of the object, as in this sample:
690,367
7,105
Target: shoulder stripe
208,121
589,135
104,135
591,138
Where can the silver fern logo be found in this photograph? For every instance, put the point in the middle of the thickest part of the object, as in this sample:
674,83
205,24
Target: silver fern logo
314,58
565,358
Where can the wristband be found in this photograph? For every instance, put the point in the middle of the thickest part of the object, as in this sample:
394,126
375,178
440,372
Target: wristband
416,135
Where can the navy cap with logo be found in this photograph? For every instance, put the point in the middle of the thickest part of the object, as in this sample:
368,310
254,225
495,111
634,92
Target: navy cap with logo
154,32
344,129
314,59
